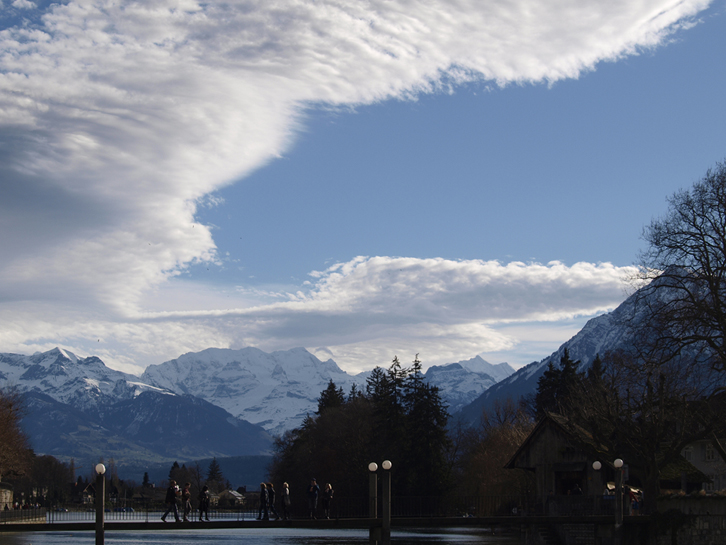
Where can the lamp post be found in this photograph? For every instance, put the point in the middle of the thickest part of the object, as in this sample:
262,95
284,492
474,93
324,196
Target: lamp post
373,490
386,505
100,496
618,465
382,533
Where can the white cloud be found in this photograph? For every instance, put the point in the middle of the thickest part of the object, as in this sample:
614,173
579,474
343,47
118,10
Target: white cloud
117,118
364,311
23,4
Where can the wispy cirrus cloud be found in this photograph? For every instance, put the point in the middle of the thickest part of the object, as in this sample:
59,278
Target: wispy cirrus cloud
118,118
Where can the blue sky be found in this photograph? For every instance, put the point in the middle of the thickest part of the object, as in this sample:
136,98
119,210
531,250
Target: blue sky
362,179
530,172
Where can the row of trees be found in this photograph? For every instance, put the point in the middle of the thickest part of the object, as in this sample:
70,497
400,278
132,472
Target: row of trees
399,417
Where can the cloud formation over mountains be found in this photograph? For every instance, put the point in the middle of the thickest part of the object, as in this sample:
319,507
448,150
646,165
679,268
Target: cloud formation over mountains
117,118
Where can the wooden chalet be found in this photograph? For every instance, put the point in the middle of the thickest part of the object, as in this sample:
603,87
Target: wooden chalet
561,459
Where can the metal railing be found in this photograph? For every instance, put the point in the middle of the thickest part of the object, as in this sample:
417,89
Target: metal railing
340,507
15,516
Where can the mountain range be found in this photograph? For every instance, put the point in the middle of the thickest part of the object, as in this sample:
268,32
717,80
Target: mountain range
79,408
277,390
217,402
224,403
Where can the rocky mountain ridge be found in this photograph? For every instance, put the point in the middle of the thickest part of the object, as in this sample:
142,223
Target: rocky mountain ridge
601,334
216,402
277,390
79,408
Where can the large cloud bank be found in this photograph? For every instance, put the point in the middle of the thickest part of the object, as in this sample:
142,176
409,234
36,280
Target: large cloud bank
118,117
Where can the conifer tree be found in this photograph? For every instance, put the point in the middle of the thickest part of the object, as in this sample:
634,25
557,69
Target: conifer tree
331,397
426,438
389,431
174,471
214,472
399,417
556,386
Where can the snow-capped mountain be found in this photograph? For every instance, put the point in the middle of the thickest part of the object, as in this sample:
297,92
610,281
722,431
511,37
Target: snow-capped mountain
603,333
275,390
79,408
477,364
461,383
83,383
211,403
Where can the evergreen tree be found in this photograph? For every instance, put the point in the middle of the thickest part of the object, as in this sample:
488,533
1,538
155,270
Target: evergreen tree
354,392
330,398
556,387
374,380
214,472
174,471
596,370
426,438
215,478
399,418
389,432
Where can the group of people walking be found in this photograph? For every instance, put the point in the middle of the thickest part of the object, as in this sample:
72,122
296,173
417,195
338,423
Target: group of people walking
267,501
174,493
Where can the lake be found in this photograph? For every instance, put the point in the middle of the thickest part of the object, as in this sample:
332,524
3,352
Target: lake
262,536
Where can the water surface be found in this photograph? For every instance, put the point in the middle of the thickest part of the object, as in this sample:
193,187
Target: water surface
262,536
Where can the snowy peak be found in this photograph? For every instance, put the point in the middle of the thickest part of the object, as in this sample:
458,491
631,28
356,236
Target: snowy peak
601,334
458,385
479,365
83,383
275,390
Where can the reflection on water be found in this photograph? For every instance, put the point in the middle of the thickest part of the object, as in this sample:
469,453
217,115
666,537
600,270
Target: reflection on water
262,536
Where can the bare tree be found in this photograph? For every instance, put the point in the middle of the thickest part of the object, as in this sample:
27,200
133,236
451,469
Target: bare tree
485,450
646,411
14,450
685,271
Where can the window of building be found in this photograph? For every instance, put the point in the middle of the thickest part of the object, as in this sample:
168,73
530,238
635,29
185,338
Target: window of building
710,453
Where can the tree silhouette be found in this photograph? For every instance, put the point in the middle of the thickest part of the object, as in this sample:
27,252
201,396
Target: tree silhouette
331,397
684,267
556,386
399,418
14,449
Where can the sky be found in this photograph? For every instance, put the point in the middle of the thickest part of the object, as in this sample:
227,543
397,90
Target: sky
366,179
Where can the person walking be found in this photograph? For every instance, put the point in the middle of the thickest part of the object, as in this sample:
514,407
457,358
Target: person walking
204,503
285,501
171,498
186,497
313,492
327,498
271,501
264,503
